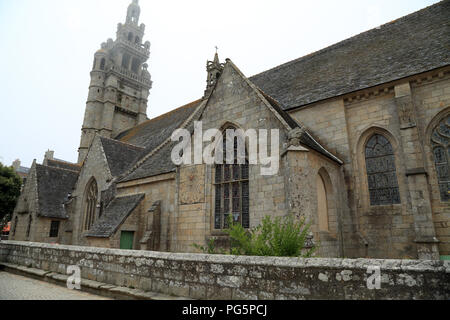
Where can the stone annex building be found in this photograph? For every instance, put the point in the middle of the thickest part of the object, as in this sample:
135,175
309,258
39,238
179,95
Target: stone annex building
365,135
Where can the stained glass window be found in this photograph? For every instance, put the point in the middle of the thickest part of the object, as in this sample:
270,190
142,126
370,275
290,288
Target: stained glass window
232,191
381,171
440,143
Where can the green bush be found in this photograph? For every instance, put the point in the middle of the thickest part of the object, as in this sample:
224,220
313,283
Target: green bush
278,237
209,249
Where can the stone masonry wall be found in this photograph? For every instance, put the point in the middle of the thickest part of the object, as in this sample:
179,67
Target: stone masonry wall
343,124
202,276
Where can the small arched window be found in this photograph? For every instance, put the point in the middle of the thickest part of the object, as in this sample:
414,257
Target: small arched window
130,36
231,189
102,64
16,222
440,143
30,221
381,171
90,205
138,40
322,203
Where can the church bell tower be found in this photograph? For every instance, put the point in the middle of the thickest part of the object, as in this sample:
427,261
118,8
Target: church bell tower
120,83
214,70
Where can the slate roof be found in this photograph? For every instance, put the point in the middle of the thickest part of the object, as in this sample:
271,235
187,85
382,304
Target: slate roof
115,214
158,163
152,133
119,155
410,45
54,184
63,165
161,161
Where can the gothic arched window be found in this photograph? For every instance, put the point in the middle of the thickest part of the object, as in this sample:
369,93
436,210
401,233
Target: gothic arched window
130,36
440,143
232,190
90,204
381,171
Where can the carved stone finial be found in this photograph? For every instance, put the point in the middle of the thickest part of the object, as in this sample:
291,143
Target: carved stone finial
294,136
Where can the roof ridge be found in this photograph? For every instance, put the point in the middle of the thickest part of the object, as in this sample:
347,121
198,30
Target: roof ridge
56,168
161,116
345,41
65,162
122,142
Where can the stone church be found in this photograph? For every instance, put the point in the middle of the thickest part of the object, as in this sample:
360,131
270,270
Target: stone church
365,150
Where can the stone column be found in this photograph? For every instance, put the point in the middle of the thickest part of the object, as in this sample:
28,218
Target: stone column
419,193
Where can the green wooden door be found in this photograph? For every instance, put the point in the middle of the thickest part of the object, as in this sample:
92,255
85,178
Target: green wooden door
126,240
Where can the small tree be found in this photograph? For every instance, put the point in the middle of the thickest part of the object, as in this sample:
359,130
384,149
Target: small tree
10,184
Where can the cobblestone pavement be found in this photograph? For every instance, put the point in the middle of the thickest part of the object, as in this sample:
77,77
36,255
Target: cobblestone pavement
14,287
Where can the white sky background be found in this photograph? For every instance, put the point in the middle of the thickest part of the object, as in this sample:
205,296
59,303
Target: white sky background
48,46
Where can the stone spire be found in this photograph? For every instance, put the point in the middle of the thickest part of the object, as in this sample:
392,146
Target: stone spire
214,69
120,83
133,12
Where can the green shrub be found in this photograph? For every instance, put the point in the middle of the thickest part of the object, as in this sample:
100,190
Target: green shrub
209,249
278,237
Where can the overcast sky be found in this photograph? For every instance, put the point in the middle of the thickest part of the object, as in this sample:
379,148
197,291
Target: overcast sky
47,50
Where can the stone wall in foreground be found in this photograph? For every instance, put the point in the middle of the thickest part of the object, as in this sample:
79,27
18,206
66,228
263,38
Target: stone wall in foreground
202,276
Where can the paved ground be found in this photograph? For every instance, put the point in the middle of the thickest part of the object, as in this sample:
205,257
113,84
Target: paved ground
14,287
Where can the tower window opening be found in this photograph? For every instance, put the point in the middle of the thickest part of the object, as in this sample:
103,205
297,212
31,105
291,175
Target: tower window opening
102,64
126,60
135,65
130,36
